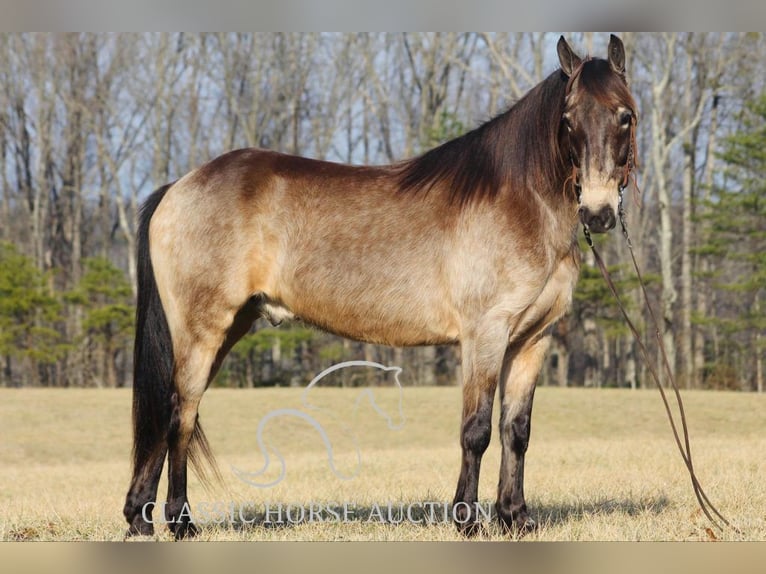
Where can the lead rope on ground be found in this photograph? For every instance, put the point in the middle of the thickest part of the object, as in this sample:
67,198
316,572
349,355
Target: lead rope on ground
684,448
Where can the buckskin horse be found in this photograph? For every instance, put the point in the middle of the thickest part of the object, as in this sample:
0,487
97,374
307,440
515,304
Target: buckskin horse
473,242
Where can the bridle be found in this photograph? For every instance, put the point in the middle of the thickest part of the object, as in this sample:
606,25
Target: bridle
630,163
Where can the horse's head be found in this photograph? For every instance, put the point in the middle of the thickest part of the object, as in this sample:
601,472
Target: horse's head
598,131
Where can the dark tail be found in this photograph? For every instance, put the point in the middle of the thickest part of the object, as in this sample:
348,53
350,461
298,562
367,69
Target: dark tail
153,361
152,352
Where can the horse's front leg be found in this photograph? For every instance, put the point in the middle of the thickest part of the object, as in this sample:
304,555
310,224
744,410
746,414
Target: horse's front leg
517,389
482,358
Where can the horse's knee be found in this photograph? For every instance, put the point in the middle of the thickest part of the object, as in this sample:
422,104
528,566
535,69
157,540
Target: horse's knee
520,431
477,429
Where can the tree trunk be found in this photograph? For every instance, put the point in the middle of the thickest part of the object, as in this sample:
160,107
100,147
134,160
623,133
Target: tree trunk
606,361
666,242
702,296
687,243
428,362
562,371
5,188
629,357
591,350
8,372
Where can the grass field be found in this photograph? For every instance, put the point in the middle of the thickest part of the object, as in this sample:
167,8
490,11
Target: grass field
601,465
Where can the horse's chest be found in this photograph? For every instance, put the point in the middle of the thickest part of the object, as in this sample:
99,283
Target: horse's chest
554,299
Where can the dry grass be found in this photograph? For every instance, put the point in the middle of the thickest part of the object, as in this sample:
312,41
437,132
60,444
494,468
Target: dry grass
601,466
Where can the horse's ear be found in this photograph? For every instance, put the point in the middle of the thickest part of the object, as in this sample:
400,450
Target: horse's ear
567,58
616,54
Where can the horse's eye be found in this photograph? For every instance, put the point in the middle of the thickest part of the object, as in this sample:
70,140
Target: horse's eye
625,119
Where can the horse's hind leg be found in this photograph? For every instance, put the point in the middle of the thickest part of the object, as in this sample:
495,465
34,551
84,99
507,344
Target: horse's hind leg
143,490
517,390
194,362
198,356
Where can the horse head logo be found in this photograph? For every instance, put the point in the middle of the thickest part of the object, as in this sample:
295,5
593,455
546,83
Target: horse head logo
396,422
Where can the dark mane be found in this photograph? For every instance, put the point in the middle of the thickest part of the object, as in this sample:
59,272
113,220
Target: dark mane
519,147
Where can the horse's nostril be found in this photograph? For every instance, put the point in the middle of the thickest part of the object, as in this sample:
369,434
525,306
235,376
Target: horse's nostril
599,222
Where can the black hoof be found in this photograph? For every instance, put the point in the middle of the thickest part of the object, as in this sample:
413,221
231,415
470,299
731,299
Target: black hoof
470,529
466,521
184,530
139,527
518,526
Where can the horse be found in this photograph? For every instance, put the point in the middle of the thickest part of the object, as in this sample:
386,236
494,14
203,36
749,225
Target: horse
474,243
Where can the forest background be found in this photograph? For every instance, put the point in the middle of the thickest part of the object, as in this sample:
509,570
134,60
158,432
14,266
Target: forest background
90,124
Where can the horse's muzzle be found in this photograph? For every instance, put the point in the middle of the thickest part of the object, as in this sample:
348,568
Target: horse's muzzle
600,221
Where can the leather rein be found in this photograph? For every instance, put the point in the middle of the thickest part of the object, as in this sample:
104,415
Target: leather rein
710,511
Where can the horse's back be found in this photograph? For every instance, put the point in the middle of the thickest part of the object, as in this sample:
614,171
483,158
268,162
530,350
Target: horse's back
332,244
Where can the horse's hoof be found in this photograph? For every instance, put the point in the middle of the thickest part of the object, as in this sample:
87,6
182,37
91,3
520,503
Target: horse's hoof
519,526
466,522
139,527
470,529
185,530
